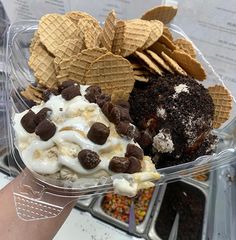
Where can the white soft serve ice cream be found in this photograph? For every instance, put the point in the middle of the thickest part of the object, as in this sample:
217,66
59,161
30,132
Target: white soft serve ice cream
73,120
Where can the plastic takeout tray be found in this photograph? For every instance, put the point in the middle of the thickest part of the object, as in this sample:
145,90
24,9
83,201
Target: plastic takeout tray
19,75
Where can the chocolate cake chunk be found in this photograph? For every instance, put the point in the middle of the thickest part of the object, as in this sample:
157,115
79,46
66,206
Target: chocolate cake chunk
178,111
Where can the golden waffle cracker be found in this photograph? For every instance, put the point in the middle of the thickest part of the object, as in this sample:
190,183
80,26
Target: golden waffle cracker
155,34
67,49
80,65
141,72
108,32
162,13
186,46
189,64
141,78
158,48
160,61
63,70
54,29
151,65
111,72
75,16
33,94
136,65
91,31
223,104
34,42
166,41
119,95
42,63
173,64
167,33
130,35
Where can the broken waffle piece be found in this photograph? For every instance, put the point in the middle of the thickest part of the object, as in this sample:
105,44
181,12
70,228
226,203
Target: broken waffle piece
192,66
173,64
150,64
223,104
162,13
160,61
108,32
186,46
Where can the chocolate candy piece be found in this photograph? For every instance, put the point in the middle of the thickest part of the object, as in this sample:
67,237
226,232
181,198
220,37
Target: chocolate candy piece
98,133
48,92
107,108
71,92
27,122
115,115
134,151
67,84
102,99
119,164
92,93
41,115
145,139
125,129
45,130
134,165
124,114
88,159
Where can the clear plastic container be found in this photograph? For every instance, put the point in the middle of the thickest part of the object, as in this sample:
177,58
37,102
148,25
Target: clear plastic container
19,75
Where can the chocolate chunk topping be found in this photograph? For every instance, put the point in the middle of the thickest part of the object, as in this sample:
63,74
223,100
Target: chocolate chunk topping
67,84
27,122
92,93
70,92
114,115
106,109
145,139
134,165
119,164
48,92
88,159
134,151
45,130
41,115
125,129
98,133
124,114
102,99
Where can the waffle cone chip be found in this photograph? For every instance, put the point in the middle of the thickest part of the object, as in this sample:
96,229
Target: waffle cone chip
189,64
54,29
166,41
186,46
91,31
167,33
160,61
223,104
108,32
75,16
130,35
162,13
111,72
173,64
33,94
151,65
155,34
158,48
81,63
34,42
141,78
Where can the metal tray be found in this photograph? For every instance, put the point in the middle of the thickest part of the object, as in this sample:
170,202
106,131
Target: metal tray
152,234
86,203
98,212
